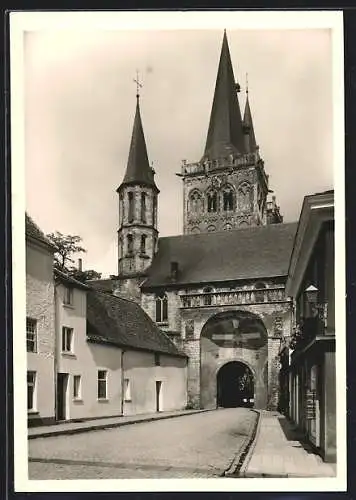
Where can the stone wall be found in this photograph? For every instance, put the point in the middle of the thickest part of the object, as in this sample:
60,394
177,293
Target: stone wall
242,215
40,306
188,324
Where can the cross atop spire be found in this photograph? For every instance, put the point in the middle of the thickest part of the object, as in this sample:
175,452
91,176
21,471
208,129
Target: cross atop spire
225,133
138,85
246,83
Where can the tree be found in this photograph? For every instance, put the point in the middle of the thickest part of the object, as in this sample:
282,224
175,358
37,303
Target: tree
66,247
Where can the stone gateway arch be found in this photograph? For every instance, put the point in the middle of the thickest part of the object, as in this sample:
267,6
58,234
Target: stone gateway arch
233,361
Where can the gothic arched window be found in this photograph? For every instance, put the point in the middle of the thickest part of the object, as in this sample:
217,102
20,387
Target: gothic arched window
228,198
245,196
143,207
195,201
120,247
131,206
129,243
143,243
212,201
161,308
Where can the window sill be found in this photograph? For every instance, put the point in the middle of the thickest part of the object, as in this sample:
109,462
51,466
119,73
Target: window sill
68,354
162,323
78,400
127,400
32,352
68,306
33,412
103,400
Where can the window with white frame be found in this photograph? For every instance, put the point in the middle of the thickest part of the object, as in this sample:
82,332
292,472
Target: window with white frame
77,387
102,384
67,339
127,389
68,296
31,391
31,334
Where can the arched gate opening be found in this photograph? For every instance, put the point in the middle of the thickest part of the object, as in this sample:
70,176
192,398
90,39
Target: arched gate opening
235,386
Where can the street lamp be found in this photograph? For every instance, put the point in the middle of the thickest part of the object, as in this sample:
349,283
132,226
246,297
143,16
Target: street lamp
311,294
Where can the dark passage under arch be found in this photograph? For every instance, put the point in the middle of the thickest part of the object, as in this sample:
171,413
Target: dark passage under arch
235,385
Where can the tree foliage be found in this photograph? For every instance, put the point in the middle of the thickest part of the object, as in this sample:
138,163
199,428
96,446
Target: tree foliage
66,247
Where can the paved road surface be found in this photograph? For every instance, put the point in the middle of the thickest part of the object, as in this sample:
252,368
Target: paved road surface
201,445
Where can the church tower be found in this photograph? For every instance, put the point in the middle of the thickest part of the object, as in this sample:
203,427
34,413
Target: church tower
137,234
228,188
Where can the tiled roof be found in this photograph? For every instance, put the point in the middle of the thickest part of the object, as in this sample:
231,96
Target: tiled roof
65,278
104,285
255,252
33,231
121,322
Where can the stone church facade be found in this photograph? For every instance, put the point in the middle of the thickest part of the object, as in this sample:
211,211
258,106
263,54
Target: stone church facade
217,290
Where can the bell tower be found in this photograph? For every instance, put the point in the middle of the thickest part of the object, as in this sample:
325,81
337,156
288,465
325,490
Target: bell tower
138,195
228,187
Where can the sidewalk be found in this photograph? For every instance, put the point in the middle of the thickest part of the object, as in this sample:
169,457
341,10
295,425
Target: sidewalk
102,423
277,452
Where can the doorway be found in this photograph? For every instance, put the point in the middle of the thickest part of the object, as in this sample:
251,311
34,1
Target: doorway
235,386
62,390
158,395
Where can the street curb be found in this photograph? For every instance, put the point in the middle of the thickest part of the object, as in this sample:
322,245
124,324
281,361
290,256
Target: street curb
247,458
112,425
244,452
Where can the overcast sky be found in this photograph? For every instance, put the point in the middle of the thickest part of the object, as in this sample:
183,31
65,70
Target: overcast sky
80,104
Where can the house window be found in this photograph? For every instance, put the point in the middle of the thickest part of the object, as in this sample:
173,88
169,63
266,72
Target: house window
67,339
161,308
102,384
228,199
212,201
157,359
208,297
31,391
143,243
127,390
77,386
31,334
129,243
195,201
143,207
131,206
68,296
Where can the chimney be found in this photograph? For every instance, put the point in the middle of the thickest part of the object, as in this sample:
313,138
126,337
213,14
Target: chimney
80,265
174,271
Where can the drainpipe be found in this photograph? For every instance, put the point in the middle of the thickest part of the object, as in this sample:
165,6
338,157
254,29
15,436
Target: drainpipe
122,381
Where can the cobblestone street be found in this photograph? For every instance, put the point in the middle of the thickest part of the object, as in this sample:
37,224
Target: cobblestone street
200,445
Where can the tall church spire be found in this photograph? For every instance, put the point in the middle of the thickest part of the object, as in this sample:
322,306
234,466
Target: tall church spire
249,132
225,134
138,170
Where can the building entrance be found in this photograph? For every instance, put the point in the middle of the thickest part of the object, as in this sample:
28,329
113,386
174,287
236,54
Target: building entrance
235,386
